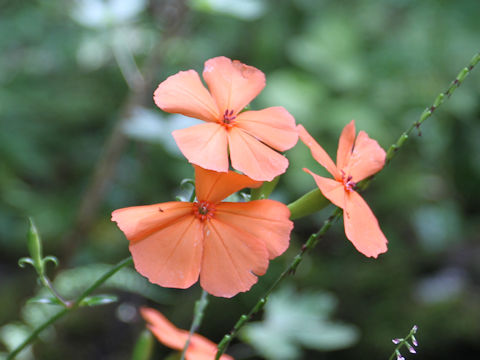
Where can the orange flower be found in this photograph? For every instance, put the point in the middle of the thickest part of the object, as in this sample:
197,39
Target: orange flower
357,159
226,244
199,348
246,137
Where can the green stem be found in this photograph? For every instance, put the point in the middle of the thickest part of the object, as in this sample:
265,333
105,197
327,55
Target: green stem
200,306
307,204
66,310
37,331
439,100
48,284
102,279
309,245
313,240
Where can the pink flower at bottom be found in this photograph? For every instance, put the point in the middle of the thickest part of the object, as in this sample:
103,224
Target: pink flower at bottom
199,348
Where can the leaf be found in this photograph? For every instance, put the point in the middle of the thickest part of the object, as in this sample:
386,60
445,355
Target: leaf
243,10
50,258
44,300
96,300
295,320
13,335
25,260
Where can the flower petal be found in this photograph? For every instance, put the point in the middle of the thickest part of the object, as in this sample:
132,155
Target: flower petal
232,84
318,153
213,186
367,158
200,348
138,222
333,190
361,226
231,260
163,329
171,257
345,144
184,93
203,349
204,145
266,220
273,126
253,158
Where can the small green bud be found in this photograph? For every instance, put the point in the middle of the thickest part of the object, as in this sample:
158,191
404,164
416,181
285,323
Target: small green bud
35,247
426,113
439,100
240,322
475,60
402,139
462,75
221,345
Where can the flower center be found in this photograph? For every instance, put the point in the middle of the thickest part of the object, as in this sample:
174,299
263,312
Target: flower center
228,118
203,210
348,184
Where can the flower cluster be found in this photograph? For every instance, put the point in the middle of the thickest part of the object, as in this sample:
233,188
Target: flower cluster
227,245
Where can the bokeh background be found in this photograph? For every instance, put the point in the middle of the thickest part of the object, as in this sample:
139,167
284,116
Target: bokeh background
80,136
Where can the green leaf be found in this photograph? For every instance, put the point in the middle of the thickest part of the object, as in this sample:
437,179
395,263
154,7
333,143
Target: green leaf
96,300
25,260
50,258
293,321
52,300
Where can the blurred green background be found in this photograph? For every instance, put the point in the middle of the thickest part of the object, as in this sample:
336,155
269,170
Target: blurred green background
80,137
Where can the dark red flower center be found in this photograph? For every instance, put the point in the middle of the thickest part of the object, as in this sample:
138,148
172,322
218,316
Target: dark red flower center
228,118
203,210
348,184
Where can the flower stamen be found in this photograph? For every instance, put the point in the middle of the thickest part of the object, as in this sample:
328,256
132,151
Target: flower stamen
348,184
228,118
203,210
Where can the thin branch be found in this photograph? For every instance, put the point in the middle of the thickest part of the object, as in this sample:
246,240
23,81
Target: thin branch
200,306
66,310
313,240
290,270
48,284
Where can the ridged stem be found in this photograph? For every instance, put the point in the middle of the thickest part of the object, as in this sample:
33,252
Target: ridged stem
313,239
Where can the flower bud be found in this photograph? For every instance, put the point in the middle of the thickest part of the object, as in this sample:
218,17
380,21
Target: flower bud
35,247
410,348
414,341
